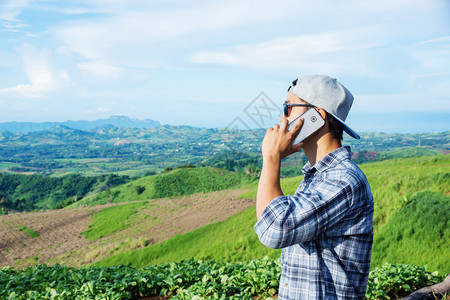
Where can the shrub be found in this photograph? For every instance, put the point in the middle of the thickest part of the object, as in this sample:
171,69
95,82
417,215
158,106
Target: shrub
140,189
394,281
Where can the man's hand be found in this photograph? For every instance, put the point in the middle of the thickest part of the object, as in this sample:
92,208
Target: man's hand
277,143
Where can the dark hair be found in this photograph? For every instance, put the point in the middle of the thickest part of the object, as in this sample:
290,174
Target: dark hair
336,127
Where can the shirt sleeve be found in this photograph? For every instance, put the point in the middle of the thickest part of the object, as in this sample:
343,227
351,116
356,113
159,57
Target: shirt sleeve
289,220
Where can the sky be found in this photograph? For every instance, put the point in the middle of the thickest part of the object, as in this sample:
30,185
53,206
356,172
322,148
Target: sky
223,63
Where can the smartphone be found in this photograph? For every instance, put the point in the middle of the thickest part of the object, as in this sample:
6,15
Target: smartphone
313,122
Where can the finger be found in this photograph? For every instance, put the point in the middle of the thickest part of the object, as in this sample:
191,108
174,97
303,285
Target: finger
276,126
297,147
284,123
297,126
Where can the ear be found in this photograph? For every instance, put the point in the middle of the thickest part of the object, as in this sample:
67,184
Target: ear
322,112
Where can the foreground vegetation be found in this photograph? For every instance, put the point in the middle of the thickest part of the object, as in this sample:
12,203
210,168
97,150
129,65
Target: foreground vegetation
191,279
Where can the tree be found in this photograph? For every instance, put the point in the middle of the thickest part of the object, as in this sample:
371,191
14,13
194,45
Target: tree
139,189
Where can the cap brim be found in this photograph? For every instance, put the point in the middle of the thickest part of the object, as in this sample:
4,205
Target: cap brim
347,129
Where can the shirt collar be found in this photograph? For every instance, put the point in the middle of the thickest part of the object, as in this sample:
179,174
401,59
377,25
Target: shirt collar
329,161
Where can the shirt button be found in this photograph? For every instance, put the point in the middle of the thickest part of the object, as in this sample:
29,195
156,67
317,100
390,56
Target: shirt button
285,285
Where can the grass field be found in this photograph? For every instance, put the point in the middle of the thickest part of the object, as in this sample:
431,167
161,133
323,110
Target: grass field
409,152
232,240
112,219
419,230
396,185
392,182
183,181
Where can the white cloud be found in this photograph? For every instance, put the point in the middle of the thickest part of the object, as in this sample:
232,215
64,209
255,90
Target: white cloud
335,52
153,36
215,51
435,40
42,76
10,9
433,57
12,26
98,69
164,35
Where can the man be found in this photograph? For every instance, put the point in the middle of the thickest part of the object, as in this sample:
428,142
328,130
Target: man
325,228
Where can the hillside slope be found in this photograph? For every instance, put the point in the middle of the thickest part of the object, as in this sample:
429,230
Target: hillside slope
395,184
178,182
232,240
419,232
147,227
65,236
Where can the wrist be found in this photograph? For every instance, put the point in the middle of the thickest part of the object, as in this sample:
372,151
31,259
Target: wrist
272,157
272,163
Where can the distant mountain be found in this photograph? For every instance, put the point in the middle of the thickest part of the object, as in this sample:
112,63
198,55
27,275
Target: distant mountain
117,121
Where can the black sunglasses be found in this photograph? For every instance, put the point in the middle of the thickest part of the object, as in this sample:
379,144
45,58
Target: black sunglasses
286,107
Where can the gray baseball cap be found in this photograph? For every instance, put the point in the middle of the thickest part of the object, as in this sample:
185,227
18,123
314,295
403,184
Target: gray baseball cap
327,93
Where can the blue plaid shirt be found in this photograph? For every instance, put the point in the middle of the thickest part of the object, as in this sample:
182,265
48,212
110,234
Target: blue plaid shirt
325,231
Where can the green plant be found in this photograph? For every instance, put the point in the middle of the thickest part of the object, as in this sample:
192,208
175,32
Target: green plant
394,281
139,189
188,279
183,280
29,231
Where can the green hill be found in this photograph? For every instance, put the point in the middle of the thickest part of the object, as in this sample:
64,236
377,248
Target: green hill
408,152
394,184
419,231
20,192
178,182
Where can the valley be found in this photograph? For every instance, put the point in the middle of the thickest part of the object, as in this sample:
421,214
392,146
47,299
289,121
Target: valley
192,209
